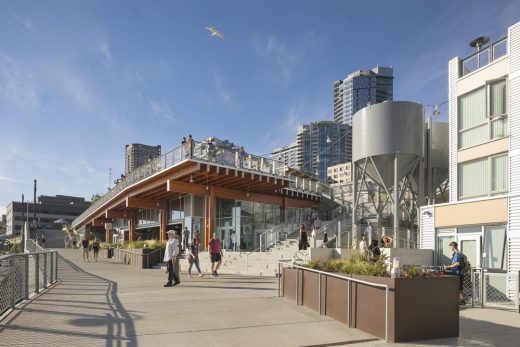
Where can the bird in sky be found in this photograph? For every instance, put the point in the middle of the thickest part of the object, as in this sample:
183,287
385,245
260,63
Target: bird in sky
215,32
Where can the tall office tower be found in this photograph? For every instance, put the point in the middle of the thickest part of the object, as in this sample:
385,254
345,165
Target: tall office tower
137,154
360,88
322,144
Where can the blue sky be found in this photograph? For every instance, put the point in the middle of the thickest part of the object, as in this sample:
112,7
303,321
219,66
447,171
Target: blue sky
80,79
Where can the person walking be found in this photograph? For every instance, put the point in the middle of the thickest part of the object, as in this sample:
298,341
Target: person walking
455,268
302,245
43,241
215,249
170,257
95,248
371,233
66,240
185,238
313,236
74,242
84,246
233,239
193,254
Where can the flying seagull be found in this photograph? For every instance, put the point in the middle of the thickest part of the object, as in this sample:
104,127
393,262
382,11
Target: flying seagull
215,32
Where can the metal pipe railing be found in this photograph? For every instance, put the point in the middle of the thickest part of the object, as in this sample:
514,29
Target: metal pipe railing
15,277
351,280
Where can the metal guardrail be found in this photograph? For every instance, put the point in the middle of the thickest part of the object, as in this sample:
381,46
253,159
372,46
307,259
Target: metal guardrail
211,154
351,280
350,236
491,289
483,57
23,274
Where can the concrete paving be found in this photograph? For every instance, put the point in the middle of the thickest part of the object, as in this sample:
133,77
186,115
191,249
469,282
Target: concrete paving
111,304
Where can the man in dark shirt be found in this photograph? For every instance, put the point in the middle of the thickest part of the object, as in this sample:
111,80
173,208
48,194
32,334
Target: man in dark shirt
456,269
84,247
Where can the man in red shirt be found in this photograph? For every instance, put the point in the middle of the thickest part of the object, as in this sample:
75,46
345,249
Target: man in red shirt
214,247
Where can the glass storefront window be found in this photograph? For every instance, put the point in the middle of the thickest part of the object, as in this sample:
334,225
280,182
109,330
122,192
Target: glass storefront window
198,206
494,247
443,249
467,230
176,209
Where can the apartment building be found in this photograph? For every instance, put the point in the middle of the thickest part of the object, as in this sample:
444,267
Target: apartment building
483,213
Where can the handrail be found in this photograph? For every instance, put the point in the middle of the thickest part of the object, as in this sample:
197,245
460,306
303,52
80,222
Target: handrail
349,279
491,56
14,279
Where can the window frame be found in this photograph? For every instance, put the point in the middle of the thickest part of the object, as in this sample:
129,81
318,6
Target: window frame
490,192
489,119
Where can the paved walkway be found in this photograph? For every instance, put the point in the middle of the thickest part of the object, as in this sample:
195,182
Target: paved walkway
133,309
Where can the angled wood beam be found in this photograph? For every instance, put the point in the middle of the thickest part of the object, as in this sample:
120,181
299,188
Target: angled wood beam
116,214
299,203
183,187
144,203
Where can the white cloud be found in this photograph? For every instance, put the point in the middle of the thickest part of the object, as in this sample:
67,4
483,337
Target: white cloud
162,110
17,84
276,50
224,95
106,54
20,22
78,90
8,179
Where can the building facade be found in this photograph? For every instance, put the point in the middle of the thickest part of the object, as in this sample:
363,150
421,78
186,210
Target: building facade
482,215
341,173
48,210
208,187
322,144
287,154
137,154
361,88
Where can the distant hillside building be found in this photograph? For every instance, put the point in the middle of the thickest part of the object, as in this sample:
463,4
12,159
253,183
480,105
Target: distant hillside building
48,210
137,154
287,154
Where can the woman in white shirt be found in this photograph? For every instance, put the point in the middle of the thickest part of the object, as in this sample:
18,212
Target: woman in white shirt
363,248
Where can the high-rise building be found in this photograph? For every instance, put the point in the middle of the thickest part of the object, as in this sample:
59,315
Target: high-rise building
137,154
48,210
360,88
287,154
322,144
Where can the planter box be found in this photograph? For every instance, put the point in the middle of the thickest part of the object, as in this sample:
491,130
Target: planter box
419,308
141,258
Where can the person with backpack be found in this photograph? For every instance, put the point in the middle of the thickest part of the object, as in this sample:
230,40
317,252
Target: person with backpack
215,252
457,268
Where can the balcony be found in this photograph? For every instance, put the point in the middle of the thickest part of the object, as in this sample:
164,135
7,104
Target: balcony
483,57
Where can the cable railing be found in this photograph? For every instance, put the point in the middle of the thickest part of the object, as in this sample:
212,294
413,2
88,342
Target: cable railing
211,153
24,274
484,56
350,236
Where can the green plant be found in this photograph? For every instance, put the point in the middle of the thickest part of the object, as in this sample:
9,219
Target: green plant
16,248
356,264
314,264
410,271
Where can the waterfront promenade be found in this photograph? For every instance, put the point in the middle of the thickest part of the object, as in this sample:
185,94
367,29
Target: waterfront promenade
111,304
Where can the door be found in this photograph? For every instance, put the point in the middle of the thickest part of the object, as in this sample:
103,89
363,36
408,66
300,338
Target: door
469,245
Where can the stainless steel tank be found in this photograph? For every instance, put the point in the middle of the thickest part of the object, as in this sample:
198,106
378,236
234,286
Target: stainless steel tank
386,130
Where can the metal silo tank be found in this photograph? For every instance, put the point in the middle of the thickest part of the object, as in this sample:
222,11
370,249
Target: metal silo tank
384,131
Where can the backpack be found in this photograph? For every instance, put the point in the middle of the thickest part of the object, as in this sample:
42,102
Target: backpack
465,266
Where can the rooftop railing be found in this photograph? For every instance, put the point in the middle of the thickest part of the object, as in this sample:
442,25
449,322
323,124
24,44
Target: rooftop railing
484,56
212,154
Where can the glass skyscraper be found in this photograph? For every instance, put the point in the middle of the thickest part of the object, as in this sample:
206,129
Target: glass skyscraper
360,88
322,144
